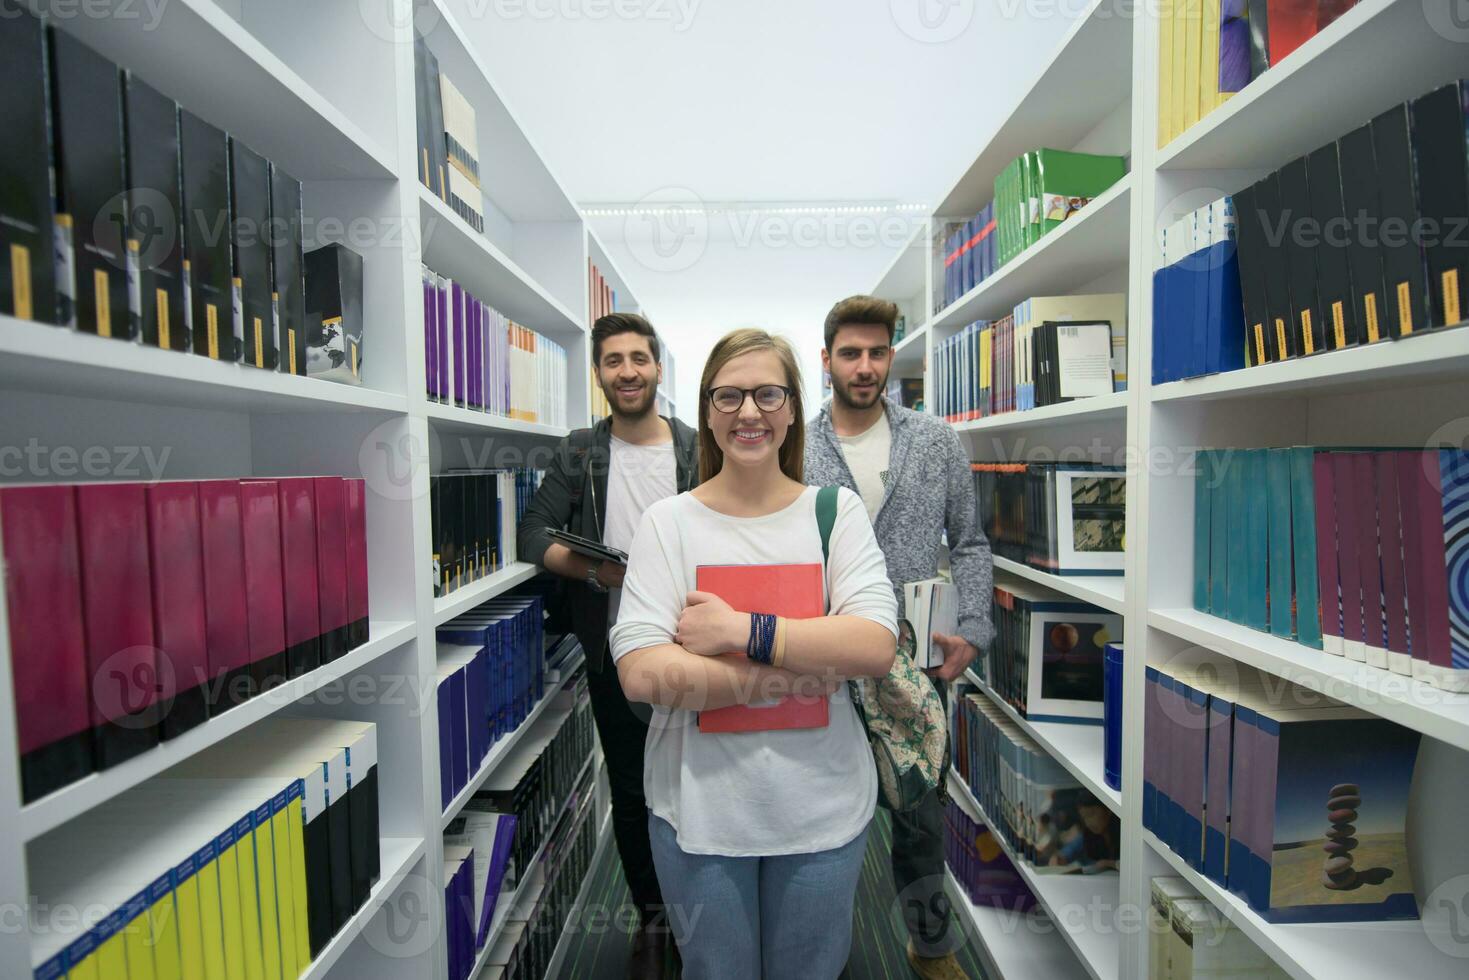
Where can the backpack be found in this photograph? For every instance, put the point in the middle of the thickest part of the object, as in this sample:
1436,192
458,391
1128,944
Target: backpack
902,713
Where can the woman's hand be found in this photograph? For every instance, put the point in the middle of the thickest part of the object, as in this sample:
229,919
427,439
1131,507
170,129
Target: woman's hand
709,627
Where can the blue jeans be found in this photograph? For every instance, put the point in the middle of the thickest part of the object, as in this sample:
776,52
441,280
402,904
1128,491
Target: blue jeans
739,918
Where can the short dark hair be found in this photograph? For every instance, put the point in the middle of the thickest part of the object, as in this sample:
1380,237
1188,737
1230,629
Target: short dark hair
866,311
615,323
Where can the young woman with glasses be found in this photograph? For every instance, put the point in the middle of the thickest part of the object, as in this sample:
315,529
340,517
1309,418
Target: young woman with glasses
758,835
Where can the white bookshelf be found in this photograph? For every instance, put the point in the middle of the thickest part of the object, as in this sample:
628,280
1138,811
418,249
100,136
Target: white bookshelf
341,117
1098,93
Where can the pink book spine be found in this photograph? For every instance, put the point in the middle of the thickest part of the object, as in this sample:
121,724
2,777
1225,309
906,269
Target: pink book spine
1390,535
1326,548
1369,556
1348,557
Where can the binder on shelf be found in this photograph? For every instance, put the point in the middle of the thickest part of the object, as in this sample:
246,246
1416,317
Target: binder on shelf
155,203
48,664
1374,637
1281,341
330,511
1349,534
1307,325
1328,574
1305,545
1442,182
287,271
1390,538
1333,277
27,216
229,635
175,562
300,575
86,130
112,524
1397,190
1357,161
358,604
208,270
1281,543
1252,259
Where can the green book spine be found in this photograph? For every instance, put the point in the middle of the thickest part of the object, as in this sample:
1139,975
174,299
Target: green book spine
1257,543
1068,181
1278,465
1203,473
1030,199
1303,546
1221,462
1237,584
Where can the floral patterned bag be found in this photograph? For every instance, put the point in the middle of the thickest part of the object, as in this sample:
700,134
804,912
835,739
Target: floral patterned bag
902,713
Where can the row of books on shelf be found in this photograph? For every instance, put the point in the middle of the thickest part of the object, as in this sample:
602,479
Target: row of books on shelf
130,217
981,866
477,358
1351,244
248,857
907,392
1048,819
137,611
1033,195
1210,49
1294,802
1050,349
509,830
533,930
1065,519
1047,657
448,138
601,300
491,673
474,515
1358,553
1190,939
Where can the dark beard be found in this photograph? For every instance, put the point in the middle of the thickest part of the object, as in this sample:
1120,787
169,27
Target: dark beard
839,393
650,399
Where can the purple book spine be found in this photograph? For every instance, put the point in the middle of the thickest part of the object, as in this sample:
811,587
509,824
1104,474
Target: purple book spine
1390,533
471,347
499,859
429,361
1348,560
1324,480
442,344
478,364
1234,46
1216,793
488,322
1369,555
458,341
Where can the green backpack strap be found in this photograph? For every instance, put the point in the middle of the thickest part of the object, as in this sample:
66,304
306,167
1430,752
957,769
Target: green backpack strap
826,518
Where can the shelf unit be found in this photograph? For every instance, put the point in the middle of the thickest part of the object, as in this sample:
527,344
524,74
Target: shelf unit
340,117
1098,93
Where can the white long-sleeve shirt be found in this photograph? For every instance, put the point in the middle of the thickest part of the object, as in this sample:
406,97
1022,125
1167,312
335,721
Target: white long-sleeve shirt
753,793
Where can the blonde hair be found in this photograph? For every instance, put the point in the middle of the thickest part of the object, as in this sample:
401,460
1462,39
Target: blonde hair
748,340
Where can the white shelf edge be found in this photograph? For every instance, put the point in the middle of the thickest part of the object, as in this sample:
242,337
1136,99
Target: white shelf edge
1046,890
472,419
904,349
90,792
996,930
400,854
1096,589
502,749
466,598
1045,734
955,313
1397,697
1097,408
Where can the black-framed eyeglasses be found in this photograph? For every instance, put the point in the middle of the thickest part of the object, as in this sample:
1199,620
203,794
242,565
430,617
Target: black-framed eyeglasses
729,399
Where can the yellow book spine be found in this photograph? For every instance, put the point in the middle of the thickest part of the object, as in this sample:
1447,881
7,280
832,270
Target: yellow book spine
1176,112
229,906
163,930
191,925
280,835
1165,72
266,885
249,887
82,955
112,955
1209,99
1193,39
211,913
137,941
297,827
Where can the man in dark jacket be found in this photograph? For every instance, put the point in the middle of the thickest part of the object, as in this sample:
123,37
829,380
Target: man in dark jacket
597,486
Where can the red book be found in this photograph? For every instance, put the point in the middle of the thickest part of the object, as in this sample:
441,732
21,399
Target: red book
48,660
298,571
1291,24
117,616
176,560
265,613
356,563
1348,559
1324,479
225,630
792,591
1369,555
331,564
1390,533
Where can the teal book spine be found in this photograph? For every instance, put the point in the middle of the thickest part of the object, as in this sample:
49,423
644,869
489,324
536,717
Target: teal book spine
1219,531
1203,471
1237,583
1277,479
1257,542
1303,546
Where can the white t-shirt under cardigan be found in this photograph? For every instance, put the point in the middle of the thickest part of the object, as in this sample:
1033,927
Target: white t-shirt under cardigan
750,794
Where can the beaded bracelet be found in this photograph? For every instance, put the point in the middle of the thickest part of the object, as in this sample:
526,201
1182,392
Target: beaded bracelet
761,645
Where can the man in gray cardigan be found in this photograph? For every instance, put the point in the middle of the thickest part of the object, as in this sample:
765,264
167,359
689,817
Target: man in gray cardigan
913,474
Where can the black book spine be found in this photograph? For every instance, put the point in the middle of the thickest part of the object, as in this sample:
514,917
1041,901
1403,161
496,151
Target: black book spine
436,519
1358,162
207,259
1399,238
1259,11
1251,247
27,219
287,271
1301,240
250,239
1441,153
1333,276
155,203
90,185
1280,339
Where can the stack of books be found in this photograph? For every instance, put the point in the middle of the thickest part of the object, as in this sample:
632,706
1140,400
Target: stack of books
476,856
1198,317
138,611
448,138
1294,802
255,852
1190,939
1352,552
980,864
474,514
1065,519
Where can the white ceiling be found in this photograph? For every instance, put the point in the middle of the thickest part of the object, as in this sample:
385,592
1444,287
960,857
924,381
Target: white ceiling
760,101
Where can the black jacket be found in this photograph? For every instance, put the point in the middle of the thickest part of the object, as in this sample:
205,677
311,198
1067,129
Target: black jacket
573,495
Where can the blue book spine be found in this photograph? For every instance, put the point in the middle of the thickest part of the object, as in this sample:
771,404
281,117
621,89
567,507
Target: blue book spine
1168,710
1216,792
1278,505
1229,348
1199,271
1112,715
1160,318
1194,769
1152,742
446,746
1243,806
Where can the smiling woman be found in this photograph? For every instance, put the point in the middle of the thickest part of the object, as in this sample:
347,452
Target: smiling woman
759,781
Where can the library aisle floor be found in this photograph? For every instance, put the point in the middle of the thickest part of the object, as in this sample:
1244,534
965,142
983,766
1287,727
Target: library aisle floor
878,936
